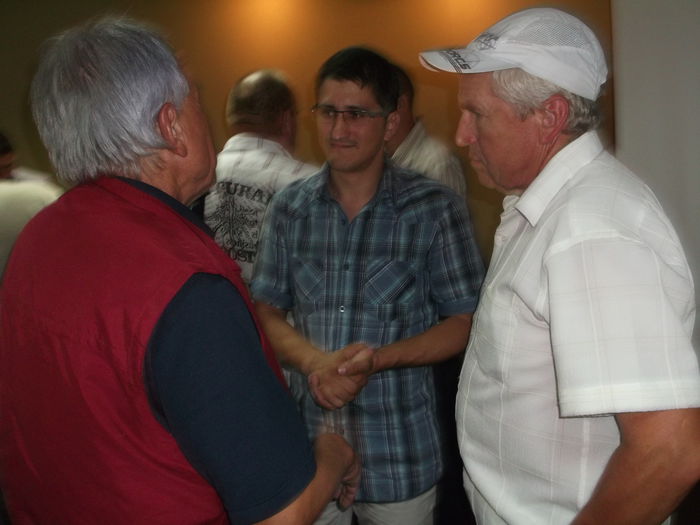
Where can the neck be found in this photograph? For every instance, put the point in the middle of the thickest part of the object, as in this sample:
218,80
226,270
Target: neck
275,133
545,155
405,126
353,190
559,144
167,178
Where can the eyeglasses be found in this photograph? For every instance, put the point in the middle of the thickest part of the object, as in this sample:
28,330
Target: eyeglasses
350,116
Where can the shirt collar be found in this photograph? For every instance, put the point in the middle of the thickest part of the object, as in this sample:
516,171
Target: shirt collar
387,188
558,171
171,202
251,141
416,136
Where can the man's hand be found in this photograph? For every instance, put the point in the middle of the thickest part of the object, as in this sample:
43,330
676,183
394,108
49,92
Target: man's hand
332,448
349,485
360,364
329,387
337,477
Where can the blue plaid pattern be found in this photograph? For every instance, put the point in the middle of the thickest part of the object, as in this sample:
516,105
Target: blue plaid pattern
408,258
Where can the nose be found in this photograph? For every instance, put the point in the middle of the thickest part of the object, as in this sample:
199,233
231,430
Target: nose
338,126
466,131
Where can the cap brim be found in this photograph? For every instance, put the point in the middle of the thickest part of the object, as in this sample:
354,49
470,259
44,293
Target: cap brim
462,60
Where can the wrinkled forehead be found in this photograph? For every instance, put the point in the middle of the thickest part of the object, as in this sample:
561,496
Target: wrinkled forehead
474,86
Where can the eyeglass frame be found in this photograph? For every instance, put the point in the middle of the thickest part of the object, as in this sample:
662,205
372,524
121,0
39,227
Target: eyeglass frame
357,115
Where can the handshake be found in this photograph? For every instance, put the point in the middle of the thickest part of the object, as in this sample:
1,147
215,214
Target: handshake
336,378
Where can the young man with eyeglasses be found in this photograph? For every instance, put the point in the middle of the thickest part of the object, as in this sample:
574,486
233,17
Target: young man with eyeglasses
380,270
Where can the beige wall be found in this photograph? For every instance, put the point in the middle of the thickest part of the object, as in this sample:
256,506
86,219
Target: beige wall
658,122
221,40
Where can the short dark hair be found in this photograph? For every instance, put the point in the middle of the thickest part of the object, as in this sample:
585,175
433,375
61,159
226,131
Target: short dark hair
366,68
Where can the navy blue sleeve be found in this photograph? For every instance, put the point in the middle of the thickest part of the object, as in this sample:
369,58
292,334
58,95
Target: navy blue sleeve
211,387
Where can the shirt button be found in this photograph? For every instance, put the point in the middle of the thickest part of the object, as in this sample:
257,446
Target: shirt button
341,309
346,267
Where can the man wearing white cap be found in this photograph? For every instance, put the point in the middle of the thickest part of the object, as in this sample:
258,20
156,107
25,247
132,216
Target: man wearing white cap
577,392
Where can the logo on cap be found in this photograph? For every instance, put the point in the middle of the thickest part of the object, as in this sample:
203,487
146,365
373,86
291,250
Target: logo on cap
456,59
486,41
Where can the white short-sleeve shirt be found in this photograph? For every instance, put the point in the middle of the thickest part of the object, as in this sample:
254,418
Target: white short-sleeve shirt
422,153
587,310
249,171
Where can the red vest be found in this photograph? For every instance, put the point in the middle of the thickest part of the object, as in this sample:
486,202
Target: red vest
85,286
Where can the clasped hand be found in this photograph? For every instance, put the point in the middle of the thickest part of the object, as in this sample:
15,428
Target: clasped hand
337,377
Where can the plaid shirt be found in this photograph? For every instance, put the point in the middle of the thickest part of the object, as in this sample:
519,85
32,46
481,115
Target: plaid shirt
408,258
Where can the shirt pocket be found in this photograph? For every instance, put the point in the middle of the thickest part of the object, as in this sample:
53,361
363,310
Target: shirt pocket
391,290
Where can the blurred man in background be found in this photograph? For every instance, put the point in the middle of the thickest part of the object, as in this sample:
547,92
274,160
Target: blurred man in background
23,193
411,147
255,163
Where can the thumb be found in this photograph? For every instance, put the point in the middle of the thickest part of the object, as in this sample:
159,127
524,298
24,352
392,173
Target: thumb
361,363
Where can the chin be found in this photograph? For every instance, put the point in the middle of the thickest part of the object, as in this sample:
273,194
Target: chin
485,180
339,165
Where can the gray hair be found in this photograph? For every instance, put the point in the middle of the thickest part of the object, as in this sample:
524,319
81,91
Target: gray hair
96,96
526,93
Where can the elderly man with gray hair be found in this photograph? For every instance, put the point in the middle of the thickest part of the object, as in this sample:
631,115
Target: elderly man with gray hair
136,385
579,391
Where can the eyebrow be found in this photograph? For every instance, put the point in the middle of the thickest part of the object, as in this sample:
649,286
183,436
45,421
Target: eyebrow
347,108
469,106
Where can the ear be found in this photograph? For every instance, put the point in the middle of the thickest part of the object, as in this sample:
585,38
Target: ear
402,102
392,124
288,123
285,130
170,129
553,114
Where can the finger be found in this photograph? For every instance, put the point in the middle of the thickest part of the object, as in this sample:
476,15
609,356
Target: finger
342,385
334,397
360,381
352,350
345,499
361,363
339,397
313,380
318,393
349,488
350,387
346,496
325,402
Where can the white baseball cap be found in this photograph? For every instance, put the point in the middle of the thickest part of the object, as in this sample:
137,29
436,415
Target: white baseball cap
547,43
